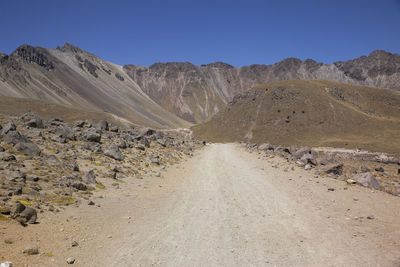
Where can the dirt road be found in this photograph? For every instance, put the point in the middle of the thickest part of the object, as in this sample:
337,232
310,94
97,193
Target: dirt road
227,207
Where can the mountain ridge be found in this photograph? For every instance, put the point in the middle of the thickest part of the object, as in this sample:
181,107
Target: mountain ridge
171,94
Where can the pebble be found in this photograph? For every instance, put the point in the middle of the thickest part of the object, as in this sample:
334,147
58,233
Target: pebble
90,203
6,264
74,244
370,217
350,181
331,189
70,260
31,250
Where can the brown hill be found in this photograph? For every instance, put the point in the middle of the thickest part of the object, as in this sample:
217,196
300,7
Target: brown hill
310,112
70,76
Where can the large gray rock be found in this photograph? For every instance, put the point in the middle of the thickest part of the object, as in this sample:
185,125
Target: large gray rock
102,125
28,148
308,159
114,153
368,180
302,151
14,137
32,120
63,133
92,135
9,127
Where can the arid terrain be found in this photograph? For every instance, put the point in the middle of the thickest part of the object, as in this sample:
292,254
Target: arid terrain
291,164
225,206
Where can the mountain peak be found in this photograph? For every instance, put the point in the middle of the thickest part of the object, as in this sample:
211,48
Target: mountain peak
67,47
33,54
219,65
380,53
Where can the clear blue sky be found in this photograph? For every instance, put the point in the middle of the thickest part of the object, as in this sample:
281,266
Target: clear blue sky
203,31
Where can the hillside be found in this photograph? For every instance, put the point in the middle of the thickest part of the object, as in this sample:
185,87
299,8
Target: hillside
70,76
310,112
196,93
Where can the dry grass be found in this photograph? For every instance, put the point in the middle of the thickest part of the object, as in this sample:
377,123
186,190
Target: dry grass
310,112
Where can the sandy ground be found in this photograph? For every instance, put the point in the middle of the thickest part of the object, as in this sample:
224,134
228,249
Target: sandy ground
223,207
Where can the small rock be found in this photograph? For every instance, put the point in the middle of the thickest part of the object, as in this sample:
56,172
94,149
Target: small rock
350,181
32,250
6,264
379,169
331,189
370,217
307,167
90,203
70,260
74,244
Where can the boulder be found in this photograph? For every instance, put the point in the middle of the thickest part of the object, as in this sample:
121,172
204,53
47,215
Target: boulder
334,168
9,127
120,143
90,177
79,186
17,176
302,151
63,133
93,146
32,120
308,159
114,129
4,156
102,125
155,160
28,148
92,136
162,142
24,214
14,137
144,141
114,153
368,180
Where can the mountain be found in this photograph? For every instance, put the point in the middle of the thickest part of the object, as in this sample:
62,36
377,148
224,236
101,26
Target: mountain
196,93
310,112
175,94
70,76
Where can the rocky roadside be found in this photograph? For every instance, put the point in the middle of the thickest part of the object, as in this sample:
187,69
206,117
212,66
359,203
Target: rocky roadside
48,165
378,171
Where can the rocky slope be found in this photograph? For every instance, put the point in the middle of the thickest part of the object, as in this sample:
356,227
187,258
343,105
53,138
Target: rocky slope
195,93
50,164
310,112
70,76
